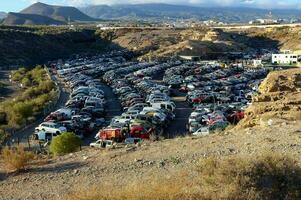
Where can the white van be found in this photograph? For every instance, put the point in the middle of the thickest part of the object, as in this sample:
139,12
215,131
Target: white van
44,136
167,105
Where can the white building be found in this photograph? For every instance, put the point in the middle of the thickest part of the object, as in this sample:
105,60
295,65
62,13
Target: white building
283,58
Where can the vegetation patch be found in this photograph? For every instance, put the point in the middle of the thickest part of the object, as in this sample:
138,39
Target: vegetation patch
38,93
64,143
16,159
266,177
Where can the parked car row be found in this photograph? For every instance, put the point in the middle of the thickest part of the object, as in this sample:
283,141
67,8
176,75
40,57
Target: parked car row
148,109
217,95
85,110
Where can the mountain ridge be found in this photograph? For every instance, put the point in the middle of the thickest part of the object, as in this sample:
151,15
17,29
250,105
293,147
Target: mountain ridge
44,14
29,19
3,15
163,11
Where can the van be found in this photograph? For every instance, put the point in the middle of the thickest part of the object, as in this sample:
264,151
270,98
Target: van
167,105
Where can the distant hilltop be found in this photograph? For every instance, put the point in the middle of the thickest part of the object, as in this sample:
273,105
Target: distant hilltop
43,14
2,15
165,12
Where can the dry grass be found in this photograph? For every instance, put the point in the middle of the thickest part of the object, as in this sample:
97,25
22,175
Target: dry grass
266,177
16,159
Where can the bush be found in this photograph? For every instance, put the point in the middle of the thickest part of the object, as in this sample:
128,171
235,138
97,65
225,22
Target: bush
16,159
64,143
268,177
40,91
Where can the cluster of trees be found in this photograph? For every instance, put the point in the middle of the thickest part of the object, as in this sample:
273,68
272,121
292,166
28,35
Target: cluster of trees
38,92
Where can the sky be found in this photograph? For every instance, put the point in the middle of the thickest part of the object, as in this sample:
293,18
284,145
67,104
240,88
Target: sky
17,5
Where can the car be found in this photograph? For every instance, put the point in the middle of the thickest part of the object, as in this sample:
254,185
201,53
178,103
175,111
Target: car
167,105
51,127
102,144
132,140
44,136
203,131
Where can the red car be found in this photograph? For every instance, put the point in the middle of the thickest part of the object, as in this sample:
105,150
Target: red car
140,132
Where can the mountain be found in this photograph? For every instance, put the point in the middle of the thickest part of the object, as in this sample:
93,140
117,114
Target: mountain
157,11
61,13
43,14
30,19
2,15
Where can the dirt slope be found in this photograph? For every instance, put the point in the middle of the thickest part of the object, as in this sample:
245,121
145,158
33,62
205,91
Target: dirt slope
279,98
152,44
90,168
275,128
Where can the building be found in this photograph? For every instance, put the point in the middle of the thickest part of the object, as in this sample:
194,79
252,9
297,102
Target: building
285,58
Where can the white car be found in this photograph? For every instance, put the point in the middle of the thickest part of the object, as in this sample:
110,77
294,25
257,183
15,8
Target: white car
101,144
202,131
51,127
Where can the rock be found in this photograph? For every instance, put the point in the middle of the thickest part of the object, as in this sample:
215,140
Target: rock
161,163
231,150
151,162
138,160
284,124
75,171
85,157
131,149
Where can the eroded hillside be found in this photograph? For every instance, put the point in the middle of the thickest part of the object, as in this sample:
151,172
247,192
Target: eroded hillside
208,43
287,37
279,97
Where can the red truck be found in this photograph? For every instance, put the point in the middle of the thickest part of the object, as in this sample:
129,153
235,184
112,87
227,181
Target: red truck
114,134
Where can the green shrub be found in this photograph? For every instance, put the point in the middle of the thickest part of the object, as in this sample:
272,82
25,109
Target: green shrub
64,143
40,91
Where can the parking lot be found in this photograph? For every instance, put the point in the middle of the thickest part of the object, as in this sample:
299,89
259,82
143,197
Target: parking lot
115,100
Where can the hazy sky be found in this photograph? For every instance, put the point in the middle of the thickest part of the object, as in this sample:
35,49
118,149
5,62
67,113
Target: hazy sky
17,5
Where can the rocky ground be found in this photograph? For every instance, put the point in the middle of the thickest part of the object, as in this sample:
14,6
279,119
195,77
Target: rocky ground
93,167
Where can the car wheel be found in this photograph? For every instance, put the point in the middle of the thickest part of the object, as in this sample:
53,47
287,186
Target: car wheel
43,129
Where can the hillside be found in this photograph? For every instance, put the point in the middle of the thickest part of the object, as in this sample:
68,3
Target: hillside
96,169
279,98
155,11
37,45
285,36
43,14
61,13
29,19
2,15
207,43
